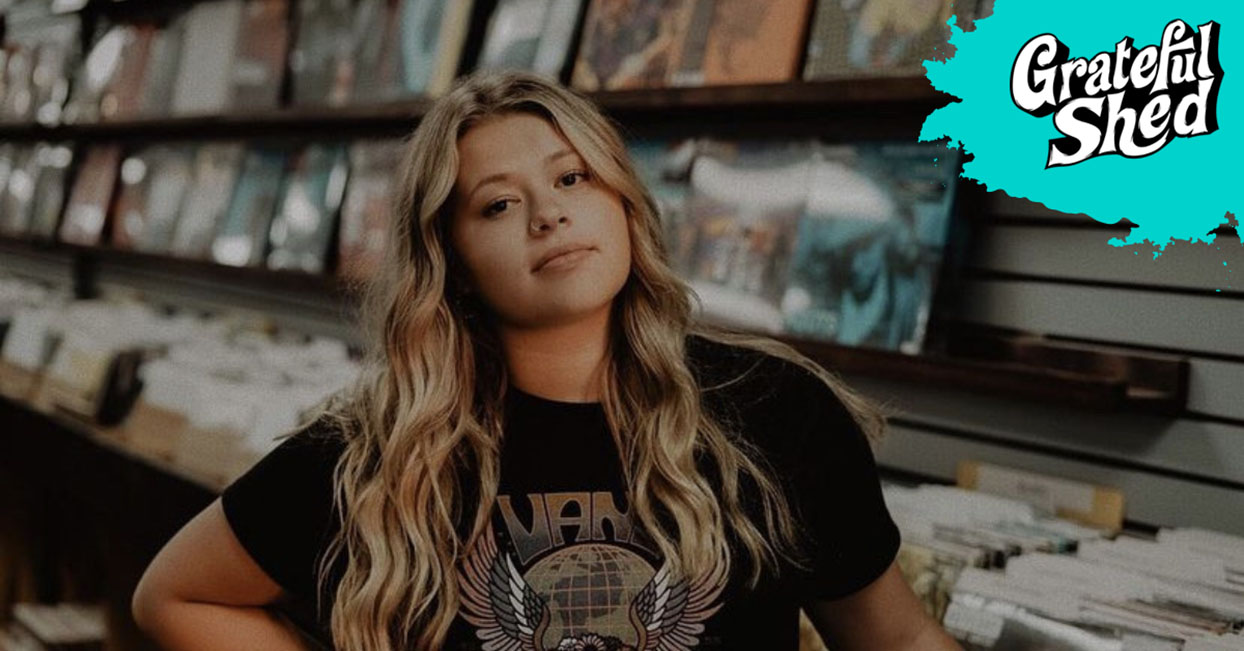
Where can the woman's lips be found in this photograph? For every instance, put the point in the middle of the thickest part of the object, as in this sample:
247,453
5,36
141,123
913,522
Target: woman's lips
564,260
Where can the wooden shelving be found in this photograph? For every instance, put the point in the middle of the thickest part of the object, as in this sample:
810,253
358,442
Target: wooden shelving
911,94
1027,367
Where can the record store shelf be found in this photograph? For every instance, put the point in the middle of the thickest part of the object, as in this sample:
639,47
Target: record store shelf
970,358
791,100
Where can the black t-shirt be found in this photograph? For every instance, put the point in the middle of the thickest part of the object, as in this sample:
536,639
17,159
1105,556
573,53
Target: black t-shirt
567,563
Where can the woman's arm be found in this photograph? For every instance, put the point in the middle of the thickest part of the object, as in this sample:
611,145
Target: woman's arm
883,616
203,591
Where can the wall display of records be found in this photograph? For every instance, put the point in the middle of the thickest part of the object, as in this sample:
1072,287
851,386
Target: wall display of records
763,228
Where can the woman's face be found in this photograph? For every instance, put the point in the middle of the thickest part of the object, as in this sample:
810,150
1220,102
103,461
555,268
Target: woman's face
522,196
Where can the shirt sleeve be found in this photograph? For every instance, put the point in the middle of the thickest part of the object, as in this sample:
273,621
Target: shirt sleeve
281,510
851,538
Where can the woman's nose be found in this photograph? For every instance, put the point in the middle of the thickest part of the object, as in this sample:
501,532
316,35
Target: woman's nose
547,216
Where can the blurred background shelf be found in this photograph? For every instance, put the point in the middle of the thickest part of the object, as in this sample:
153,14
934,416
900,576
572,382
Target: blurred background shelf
785,101
983,360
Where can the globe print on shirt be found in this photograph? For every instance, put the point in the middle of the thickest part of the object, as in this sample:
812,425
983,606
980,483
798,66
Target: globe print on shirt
594,592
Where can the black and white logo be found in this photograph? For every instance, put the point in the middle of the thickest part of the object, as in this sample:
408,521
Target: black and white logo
1126,101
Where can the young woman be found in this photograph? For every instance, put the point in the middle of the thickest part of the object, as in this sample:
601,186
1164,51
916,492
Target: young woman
546,452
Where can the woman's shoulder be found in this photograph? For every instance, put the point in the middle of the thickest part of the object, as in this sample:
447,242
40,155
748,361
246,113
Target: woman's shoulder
306,455
771,401
735,368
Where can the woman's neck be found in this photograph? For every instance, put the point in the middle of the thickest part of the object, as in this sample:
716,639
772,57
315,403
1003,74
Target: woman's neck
564,362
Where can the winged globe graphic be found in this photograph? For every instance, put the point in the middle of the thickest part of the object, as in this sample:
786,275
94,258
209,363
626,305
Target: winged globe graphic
508,614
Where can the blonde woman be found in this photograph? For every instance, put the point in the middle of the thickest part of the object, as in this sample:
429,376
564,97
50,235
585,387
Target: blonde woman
546,453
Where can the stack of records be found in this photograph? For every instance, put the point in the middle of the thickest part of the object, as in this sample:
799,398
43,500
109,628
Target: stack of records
999,574
1044,601
947,530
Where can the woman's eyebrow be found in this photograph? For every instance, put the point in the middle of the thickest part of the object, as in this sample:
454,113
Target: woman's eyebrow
501,176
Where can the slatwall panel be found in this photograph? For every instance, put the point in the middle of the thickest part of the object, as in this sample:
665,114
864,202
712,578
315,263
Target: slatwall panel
1217,388
1046,272
1198,449
1083,254
1209,324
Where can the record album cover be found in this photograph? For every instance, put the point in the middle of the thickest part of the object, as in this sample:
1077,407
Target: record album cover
209,42
513,34
859,38
553,54
665,167
259,62
870,242
97,73
43,51
242,239
51,171
122,95
379,67
166,47
87,207
746,200
367,207
153,185
631,43
321,62
433,34
307,210
532,35
213,174
16,83
18,165
742,42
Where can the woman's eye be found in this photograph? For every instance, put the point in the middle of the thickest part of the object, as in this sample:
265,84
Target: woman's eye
495,207
569,178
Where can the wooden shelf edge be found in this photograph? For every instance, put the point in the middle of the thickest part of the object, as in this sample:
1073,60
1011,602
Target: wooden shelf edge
405,114
109,440
276,280
1086,389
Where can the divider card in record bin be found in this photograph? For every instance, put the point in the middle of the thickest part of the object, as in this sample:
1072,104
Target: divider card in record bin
870,244
746,200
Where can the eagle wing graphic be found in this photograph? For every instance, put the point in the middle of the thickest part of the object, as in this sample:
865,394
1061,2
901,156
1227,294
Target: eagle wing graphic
669,615
507,613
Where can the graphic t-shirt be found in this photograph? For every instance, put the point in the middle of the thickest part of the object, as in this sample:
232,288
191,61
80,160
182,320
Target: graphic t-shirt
565,566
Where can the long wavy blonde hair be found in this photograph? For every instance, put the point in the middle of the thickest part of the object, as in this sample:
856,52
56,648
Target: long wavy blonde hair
418,477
